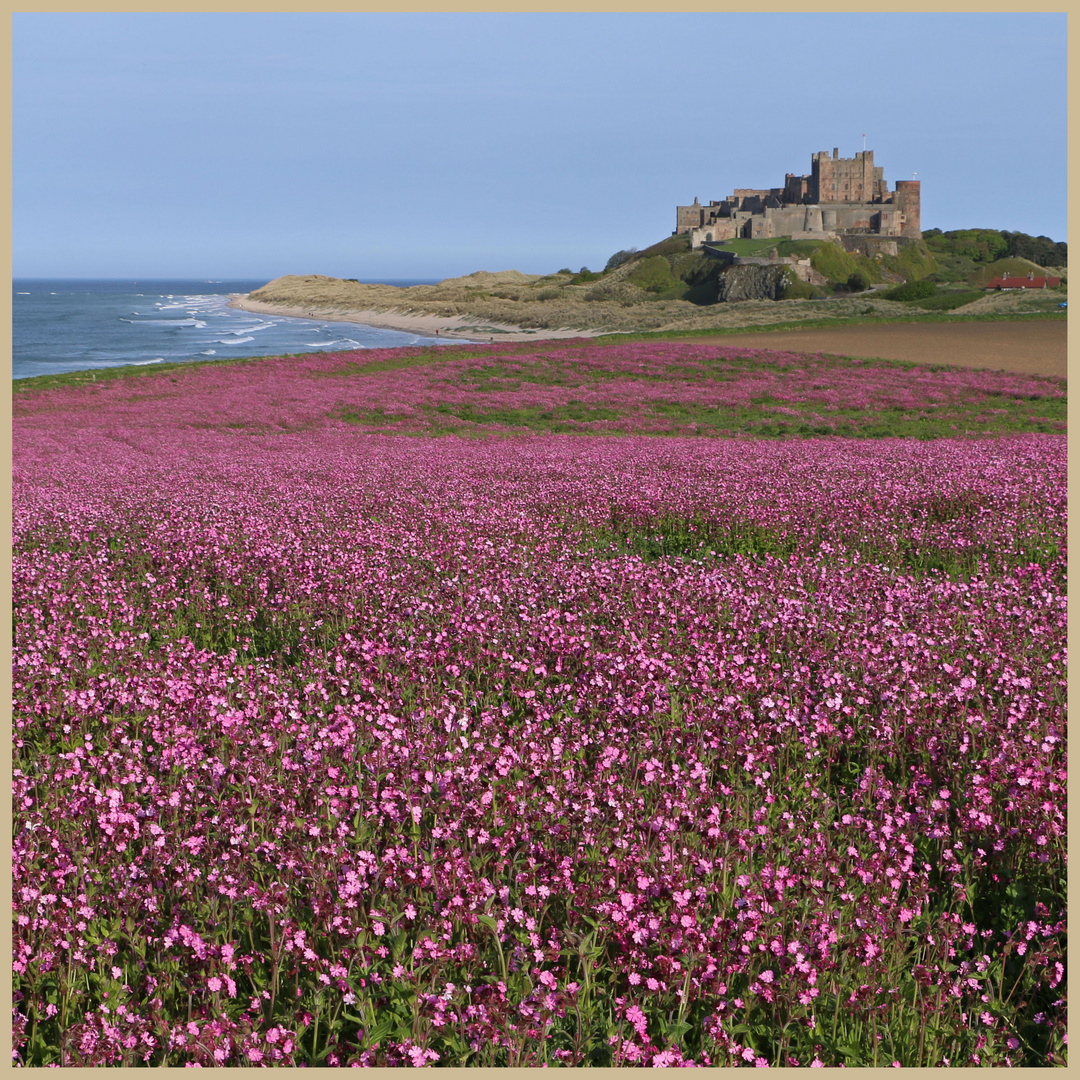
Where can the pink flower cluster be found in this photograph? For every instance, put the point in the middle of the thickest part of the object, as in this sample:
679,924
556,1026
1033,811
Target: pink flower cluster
340,748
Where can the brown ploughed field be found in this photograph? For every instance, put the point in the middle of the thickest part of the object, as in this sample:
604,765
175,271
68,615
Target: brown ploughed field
1035,348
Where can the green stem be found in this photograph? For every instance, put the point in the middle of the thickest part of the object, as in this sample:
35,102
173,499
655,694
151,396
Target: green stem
274,967
922,1028
685,1000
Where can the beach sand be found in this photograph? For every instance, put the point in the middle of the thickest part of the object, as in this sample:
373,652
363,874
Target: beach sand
453,326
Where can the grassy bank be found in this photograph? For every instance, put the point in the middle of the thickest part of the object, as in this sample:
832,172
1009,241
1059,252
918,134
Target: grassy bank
869,319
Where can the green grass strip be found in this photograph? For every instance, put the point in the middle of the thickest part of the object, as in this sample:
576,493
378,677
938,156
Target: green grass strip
827,324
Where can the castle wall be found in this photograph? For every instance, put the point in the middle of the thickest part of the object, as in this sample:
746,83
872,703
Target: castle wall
796,189
851,217
721,229
870,246
689,217
818,234
881,189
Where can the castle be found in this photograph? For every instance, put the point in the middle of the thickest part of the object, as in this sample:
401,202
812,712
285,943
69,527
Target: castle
843,199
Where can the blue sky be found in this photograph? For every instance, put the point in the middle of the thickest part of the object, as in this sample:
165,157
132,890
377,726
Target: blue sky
436,144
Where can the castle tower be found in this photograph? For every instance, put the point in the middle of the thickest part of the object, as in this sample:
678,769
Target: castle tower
908,198
689,217
837,179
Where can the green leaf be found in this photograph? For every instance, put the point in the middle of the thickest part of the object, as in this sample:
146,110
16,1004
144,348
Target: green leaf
378,1032
675,1030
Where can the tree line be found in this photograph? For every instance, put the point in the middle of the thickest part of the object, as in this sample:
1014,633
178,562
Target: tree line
988,245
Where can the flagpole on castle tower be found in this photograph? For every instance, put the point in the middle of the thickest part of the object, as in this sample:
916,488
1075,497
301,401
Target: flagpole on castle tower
864,143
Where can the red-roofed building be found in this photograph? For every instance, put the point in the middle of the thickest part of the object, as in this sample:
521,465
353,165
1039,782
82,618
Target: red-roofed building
1029,282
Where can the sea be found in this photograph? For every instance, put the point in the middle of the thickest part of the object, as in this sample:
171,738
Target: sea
76,325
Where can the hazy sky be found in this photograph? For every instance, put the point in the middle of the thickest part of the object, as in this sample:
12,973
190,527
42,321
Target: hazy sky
431,145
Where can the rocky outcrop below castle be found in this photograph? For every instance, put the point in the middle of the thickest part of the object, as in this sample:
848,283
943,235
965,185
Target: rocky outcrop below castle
738,283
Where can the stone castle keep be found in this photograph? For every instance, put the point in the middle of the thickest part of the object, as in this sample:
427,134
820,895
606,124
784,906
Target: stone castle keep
841,199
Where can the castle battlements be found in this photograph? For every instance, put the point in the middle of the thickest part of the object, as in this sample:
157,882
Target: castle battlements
838,198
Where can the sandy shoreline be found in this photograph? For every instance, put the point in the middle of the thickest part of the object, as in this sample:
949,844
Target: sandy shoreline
454,326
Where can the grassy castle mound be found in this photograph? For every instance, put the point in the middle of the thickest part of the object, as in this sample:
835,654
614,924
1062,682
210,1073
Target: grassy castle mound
669,286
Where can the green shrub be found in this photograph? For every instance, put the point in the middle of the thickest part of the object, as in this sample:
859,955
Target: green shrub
858,282
912,290
619,258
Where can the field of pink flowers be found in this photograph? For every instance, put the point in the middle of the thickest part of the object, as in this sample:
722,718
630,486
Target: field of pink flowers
652,388
340,747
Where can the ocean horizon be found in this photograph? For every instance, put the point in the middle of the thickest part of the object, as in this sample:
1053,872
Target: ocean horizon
80,324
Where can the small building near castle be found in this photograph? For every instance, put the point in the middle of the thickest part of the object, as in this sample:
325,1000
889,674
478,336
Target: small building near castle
1000,284
840,198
